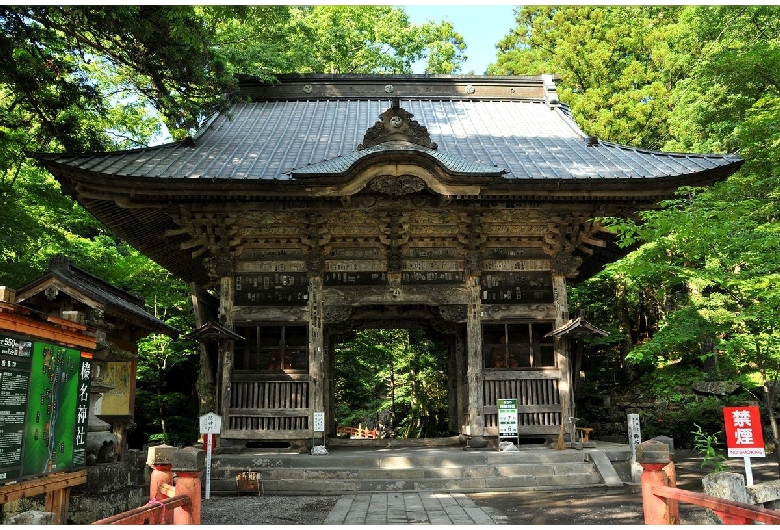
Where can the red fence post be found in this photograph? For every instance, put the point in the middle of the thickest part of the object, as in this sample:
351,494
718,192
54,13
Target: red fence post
160,459
653,457
188,464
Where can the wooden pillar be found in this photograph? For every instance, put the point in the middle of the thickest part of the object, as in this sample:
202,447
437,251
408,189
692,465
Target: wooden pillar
206,385
476,421
57,502
452,385
226,298
462,382
562,353
317,368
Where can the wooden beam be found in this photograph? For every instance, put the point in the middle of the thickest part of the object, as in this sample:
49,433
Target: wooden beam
47,331
39,486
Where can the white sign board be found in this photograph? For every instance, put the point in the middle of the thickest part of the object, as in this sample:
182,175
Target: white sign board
634,439
507,417
210,423
634,434
319,422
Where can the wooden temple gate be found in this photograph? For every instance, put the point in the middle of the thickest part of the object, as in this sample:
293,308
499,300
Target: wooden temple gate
329,203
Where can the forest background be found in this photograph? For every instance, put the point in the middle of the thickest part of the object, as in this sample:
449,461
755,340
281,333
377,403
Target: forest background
695,300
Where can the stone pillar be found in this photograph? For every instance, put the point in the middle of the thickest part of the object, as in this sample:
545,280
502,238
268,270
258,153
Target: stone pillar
160,459
188,464
653,456
476,421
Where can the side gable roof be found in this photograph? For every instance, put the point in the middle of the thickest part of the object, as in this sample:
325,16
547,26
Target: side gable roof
94,292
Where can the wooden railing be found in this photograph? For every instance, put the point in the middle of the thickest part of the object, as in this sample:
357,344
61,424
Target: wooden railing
266,405
154,512
538,399
56,487
357,432
661,497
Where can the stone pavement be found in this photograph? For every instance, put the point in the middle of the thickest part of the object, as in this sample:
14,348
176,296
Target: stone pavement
409,508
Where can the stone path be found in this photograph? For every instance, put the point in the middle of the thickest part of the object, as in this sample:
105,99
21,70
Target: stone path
408,508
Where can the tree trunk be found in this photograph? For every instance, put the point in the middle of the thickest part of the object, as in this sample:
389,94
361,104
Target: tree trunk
769,401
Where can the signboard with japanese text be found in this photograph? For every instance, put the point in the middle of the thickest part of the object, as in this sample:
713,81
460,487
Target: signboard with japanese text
44,407
210,423
744,436
634,434
507,417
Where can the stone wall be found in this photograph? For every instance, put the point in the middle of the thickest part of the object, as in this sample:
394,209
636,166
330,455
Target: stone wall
110,489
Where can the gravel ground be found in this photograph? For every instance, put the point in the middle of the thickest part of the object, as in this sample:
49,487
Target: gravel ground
266,509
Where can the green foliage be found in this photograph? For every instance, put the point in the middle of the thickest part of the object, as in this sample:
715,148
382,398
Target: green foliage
708,446
676,420
614,64
394,378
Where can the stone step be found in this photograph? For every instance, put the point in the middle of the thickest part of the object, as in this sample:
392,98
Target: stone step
429,470
340,486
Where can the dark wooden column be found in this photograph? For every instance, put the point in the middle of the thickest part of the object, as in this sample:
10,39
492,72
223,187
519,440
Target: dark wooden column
317,369
226,298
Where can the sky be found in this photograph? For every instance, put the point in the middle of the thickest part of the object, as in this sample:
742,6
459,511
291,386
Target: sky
481,26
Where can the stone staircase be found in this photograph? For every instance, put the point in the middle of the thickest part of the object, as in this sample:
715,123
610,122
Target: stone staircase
445,469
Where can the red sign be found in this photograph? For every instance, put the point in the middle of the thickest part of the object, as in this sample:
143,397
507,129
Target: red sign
744,436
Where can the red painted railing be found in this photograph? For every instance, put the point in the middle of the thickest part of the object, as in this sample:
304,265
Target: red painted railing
660,497
357,432
168,504
730,512
154,512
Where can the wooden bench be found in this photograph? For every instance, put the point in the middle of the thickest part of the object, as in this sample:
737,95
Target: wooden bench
584,433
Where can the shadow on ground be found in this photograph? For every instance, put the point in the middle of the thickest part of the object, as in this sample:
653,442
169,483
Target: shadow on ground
599,506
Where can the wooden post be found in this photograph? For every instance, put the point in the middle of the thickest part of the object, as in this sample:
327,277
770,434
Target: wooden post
317,384
462,382
653,456
226,298
188,464
57,503
476,421
561,300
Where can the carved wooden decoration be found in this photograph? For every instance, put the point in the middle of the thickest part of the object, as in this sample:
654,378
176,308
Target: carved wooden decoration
396,125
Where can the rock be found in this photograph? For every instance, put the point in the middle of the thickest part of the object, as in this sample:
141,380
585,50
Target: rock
718,388
31,517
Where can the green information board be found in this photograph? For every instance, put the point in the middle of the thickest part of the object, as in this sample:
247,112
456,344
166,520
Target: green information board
44,407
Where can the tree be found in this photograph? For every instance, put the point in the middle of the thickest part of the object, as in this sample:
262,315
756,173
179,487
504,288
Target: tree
393,377
615,65
369,40
700,290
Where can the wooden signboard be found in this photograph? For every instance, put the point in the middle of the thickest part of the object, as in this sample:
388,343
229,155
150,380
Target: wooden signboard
522,287
278,288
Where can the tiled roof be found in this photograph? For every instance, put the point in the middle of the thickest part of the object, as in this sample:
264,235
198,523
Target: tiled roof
525,138
114,299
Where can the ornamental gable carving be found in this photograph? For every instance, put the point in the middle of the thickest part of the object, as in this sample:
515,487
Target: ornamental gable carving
396,125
